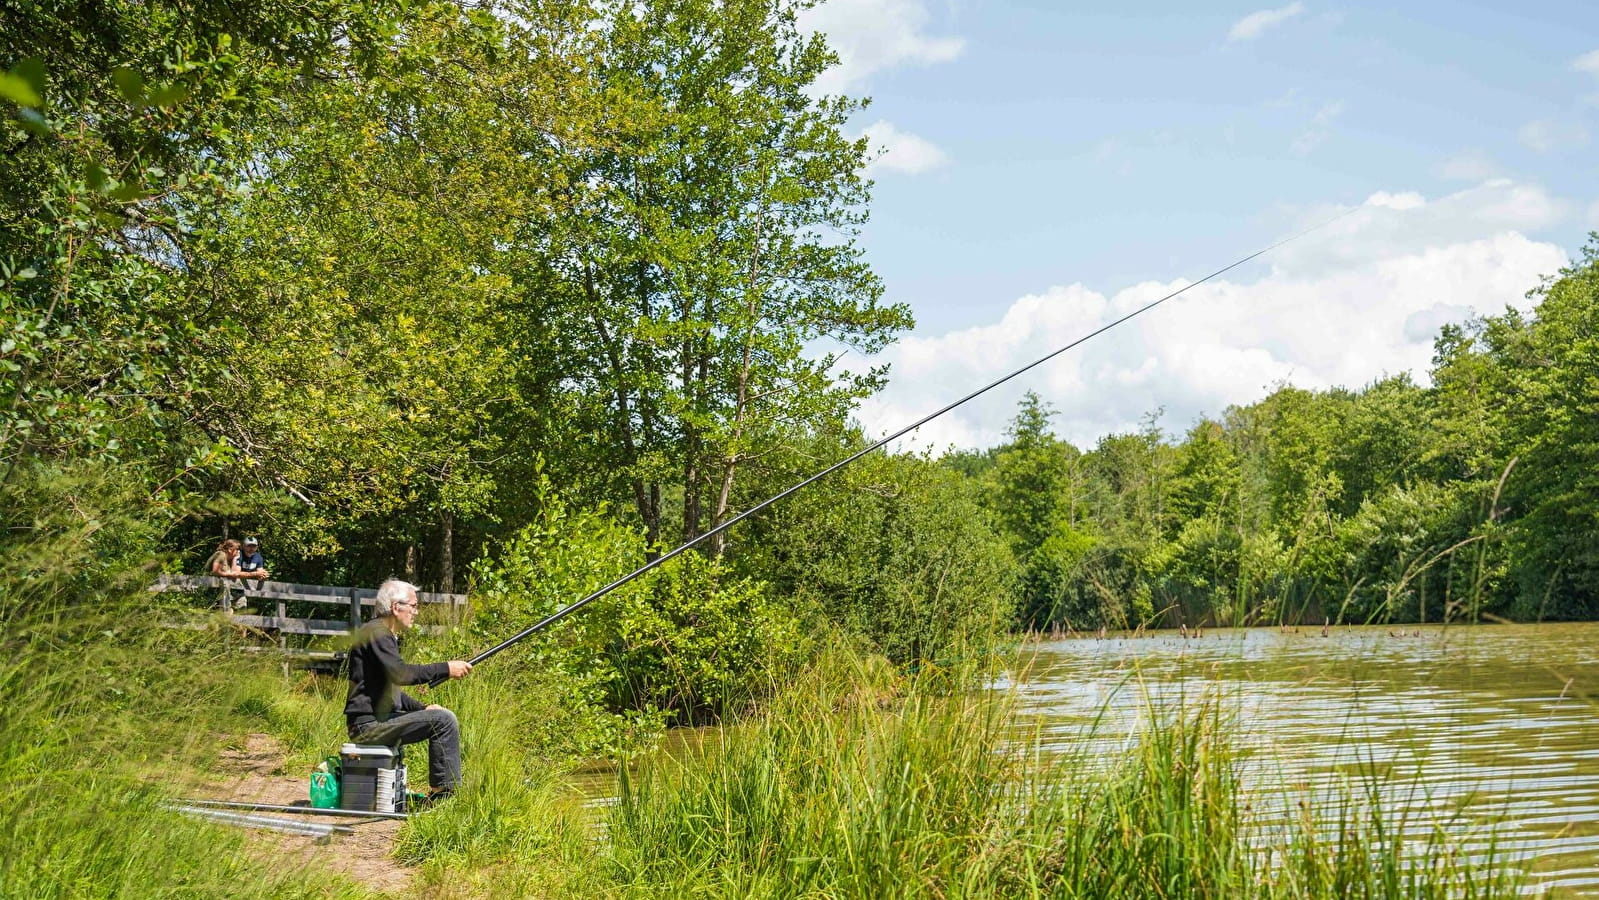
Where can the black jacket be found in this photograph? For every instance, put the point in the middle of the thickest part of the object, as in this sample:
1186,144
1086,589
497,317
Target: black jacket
376,673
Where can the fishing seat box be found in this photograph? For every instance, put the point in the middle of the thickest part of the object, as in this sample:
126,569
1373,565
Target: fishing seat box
371,777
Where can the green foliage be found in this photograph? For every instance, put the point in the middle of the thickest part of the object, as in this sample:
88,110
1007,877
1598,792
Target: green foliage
689,642
895,548
1552,428
1052,587
111,173
105,712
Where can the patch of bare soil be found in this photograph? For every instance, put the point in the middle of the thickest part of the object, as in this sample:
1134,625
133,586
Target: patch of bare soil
253,773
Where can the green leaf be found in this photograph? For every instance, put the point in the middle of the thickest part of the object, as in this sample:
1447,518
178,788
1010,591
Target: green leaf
31,71
127,192
130,85
169,96
18,90
34,121
95,174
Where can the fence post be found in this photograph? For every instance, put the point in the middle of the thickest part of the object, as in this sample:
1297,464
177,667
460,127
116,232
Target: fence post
355,609
283,613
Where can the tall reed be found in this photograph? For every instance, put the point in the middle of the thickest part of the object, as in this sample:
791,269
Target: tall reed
931,794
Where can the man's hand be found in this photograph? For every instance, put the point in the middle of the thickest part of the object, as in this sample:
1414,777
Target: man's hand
459,668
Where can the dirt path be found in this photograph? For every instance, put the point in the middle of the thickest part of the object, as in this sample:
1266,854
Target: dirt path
254,774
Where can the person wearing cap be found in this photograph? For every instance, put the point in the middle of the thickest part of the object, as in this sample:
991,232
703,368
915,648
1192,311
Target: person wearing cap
376,711
251,565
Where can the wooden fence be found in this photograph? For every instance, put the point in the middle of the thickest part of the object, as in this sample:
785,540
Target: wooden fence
279,594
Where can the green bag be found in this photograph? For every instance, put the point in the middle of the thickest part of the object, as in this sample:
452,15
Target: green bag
325,784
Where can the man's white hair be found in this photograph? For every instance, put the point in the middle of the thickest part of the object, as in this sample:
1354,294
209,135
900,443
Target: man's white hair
391,592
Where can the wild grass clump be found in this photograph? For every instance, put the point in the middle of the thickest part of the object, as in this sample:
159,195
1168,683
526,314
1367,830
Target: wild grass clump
105,713
510,803
1185,814
928,794
846,786
307,715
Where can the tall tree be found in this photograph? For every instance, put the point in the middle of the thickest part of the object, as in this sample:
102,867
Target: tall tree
718,246
379,371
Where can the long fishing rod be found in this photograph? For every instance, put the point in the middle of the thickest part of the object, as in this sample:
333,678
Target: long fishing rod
565,611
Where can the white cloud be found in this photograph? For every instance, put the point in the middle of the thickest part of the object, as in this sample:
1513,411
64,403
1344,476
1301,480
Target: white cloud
1112,154
1588,62
901,151
1544,135
873,35
1401,201
1319,128
1353,302
1373,231
1257,23
1286,100
1471,165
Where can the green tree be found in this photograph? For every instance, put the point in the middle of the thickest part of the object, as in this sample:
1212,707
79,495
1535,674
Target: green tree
121,126
895,547
382,371
714,245
1551,400
1030,486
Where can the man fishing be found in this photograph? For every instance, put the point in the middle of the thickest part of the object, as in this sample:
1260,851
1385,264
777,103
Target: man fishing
378,712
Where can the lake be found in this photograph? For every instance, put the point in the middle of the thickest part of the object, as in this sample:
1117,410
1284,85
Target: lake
1501,721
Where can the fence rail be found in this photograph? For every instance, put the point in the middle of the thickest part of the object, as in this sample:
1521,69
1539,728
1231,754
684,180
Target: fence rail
280,593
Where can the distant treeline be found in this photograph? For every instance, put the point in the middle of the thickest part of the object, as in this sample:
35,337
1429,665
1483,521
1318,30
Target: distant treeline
1474,499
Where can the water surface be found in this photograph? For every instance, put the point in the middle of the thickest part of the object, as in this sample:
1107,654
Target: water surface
1499,721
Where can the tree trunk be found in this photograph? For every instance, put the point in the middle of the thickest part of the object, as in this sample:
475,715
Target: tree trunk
447,552
691,494
647,498
410,563
741,403
652,523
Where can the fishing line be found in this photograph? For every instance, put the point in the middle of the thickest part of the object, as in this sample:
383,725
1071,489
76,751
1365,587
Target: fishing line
565,611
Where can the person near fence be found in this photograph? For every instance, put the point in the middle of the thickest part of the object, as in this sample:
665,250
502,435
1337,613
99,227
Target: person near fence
251,565
376,711
224,562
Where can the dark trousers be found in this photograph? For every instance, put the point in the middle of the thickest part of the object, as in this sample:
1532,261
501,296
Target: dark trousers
436,726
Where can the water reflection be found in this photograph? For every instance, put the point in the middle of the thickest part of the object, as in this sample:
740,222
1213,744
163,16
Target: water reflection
1498,721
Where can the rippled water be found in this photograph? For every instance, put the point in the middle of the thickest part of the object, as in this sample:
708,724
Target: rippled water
1499,721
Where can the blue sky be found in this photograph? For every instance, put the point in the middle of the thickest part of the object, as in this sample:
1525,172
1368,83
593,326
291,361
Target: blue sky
1038,156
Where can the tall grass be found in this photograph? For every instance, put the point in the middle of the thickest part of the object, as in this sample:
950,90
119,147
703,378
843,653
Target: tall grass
103,713
513,829
933,796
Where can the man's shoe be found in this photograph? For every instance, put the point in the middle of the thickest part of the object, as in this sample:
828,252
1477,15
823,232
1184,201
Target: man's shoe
421,802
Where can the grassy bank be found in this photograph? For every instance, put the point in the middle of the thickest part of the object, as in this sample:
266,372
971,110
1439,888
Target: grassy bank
104,716
857,781
104,713
854,781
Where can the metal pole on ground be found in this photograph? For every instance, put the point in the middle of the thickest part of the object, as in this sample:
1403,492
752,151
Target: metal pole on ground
242,820
301,810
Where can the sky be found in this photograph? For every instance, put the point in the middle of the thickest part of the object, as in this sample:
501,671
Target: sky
1044,167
